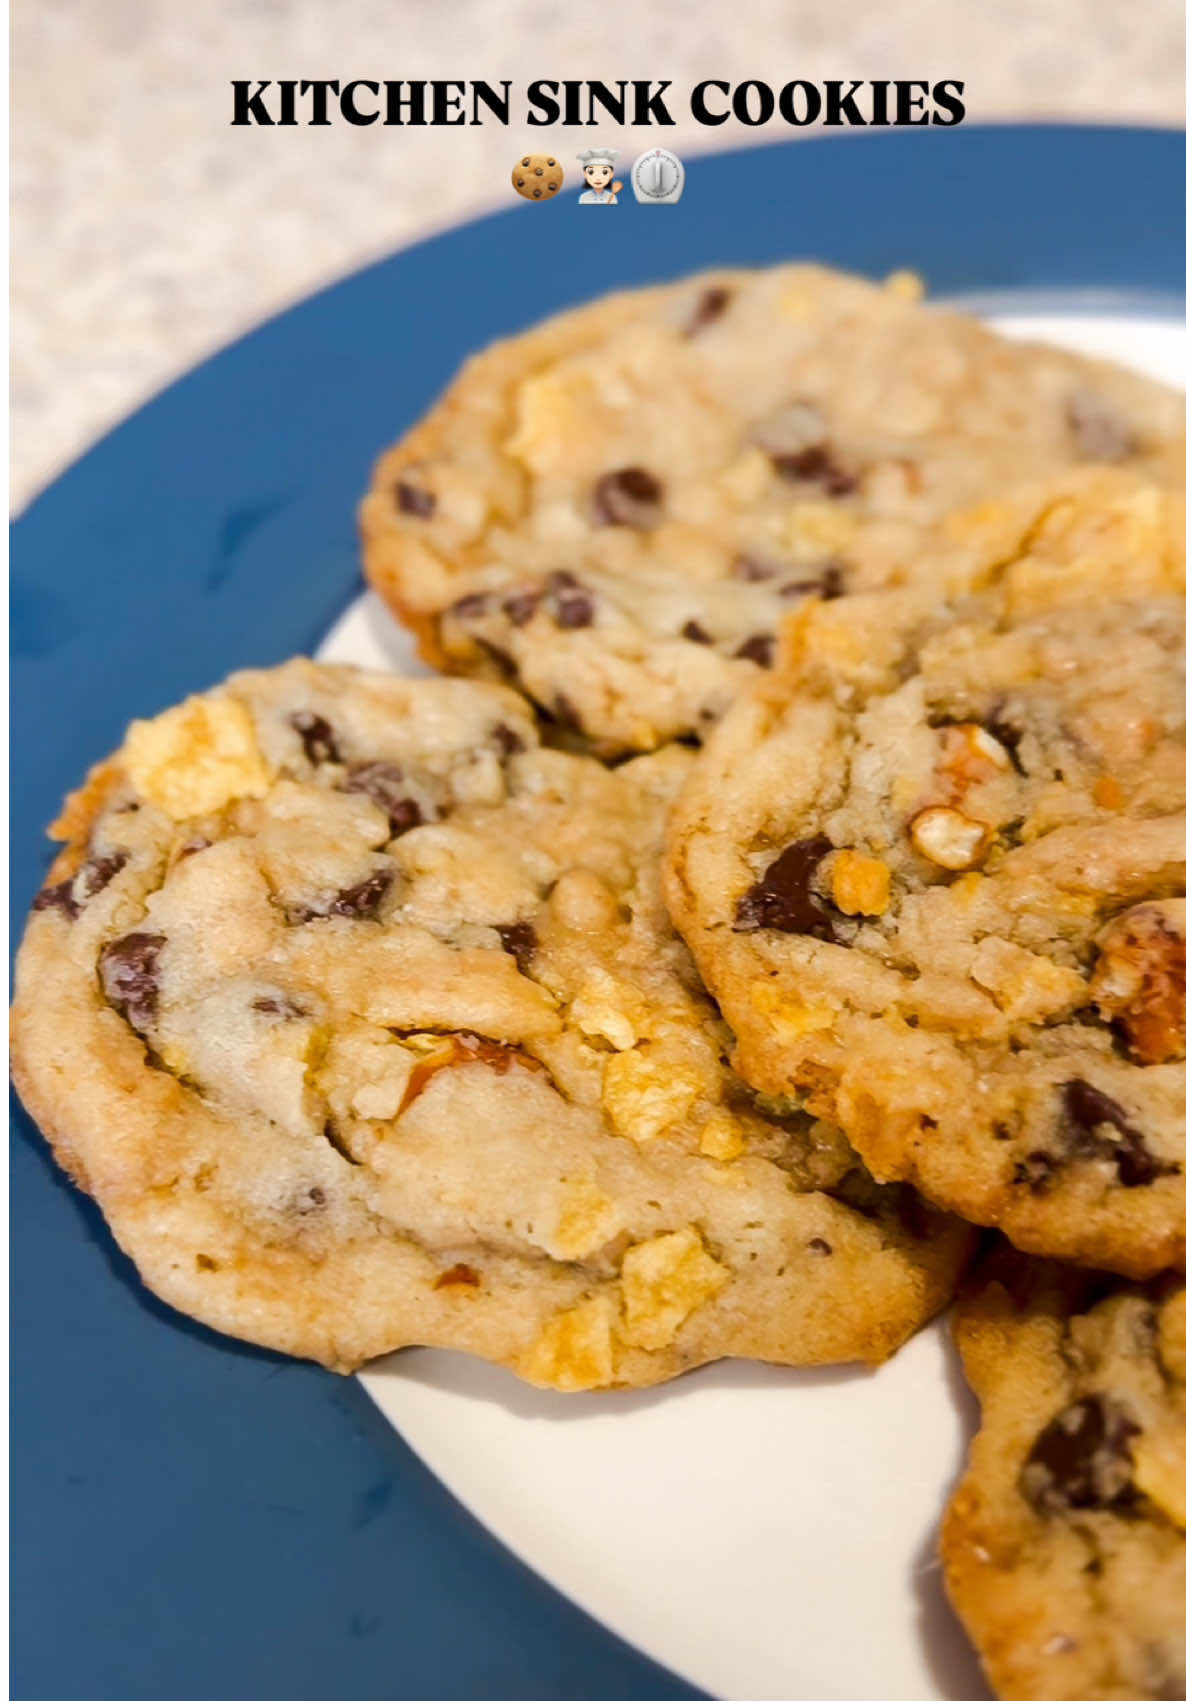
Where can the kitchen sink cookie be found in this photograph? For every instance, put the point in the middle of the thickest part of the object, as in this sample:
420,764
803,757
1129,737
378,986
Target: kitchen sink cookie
1064,1546
934,869
615,509
360,1016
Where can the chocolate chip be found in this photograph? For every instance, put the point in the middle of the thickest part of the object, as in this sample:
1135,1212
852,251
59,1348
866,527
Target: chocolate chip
414,499
57,897
520,607
630,496
317,736
752,571
818,1247
828,584
128,973
459,1276
467,608
191,847
815,465
339,1145
97,872
1082,1460
279,1005
712,303
694,632
361,902
205,1262
1089,1112
383,783
573,612
760,648
312,1200
783,898
1099,432
519,938
571,602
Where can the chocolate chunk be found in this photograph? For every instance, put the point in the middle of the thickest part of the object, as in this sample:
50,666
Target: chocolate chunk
518,937
128,973
96,873
383,783
712,303
760,648
1089,1113
1082,1460
828,584
1035,1171
69,896
361,902
783,898
815,465
520,607
57,897
566,715
818,1247
572,604
204,1261
414,499
1099,433
317,736
573,612
752,571
694,632
469,607
630,496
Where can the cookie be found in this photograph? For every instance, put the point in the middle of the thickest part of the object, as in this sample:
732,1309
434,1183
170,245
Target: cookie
1064,1546
616,509
359,1014
537,177
934,869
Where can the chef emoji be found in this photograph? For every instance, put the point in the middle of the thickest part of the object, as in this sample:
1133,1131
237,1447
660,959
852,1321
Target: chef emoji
598,167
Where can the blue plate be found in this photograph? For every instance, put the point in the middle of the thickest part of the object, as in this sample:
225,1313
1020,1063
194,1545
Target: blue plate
193,1518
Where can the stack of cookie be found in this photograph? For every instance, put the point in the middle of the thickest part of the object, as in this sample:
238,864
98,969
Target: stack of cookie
796,887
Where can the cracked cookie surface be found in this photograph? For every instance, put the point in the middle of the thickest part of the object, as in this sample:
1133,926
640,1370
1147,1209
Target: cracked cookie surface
934,869
615,509
359,1014
1064,1545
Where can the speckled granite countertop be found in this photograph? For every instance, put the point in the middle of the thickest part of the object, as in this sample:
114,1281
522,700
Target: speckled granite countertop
146,231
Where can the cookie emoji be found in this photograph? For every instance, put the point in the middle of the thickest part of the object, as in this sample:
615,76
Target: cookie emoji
360,1015
1064,1546
615,510
537,177
934,870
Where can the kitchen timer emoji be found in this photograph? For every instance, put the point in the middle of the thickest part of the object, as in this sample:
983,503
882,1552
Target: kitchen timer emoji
537,177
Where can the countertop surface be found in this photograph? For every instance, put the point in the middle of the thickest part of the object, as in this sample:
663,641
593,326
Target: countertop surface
147,231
